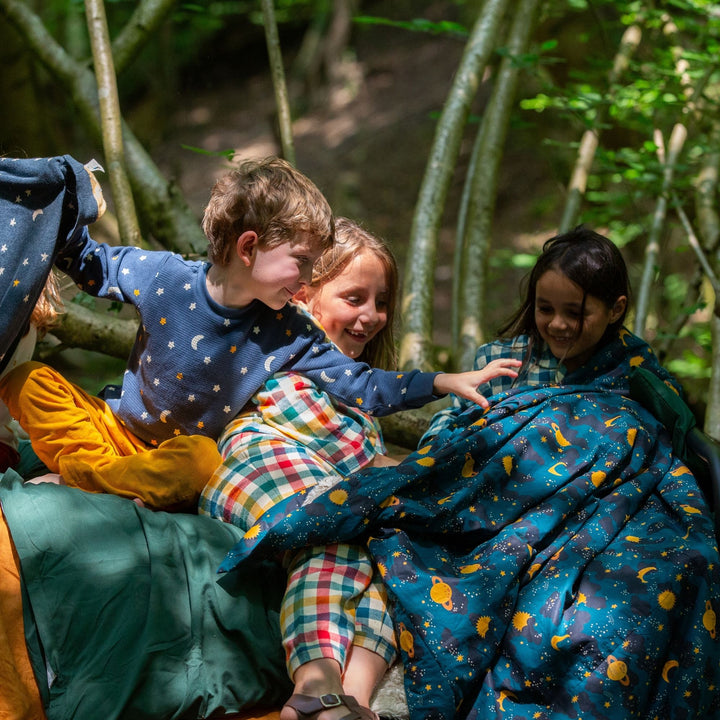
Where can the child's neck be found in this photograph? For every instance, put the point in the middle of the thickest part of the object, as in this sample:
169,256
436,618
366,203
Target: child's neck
226,287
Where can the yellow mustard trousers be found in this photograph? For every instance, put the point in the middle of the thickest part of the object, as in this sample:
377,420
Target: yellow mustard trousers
78,436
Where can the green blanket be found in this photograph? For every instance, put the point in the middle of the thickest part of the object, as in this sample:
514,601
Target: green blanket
126,616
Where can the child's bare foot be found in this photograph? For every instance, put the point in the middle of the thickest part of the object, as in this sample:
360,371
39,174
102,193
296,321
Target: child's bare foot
53,478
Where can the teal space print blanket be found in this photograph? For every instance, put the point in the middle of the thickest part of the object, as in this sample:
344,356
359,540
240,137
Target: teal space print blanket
551,557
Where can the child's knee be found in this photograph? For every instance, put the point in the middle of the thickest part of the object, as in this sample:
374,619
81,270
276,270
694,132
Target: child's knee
21,380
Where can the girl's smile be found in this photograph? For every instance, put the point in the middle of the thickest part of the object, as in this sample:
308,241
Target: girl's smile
352,307
571,322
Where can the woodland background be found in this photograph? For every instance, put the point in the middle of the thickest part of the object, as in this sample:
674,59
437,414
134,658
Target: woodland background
465,133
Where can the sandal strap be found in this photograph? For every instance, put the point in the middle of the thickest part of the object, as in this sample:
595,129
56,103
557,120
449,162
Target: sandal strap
309,707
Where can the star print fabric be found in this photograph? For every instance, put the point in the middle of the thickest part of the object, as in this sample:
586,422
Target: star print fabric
195,364
44,202
549,558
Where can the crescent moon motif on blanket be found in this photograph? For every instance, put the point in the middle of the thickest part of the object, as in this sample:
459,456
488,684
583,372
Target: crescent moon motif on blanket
194,342
669,665
326,378
36,213
504,694
163,415
555,640
559,437
553,471
268,363
641,573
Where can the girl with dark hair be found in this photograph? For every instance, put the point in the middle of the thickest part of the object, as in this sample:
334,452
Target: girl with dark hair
576,300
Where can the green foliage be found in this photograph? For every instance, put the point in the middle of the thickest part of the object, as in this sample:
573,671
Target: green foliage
444,27
636,114
228,154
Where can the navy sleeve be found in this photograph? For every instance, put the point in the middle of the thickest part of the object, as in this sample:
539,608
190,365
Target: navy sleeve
44,204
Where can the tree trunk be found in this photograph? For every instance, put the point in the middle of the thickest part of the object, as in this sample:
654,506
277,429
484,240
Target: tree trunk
475,244
417,301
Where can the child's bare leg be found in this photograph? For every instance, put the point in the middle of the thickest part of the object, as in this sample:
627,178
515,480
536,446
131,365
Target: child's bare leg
383,461
54,478
363,671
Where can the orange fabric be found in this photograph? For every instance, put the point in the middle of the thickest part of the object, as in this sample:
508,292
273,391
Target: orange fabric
77,435
20,697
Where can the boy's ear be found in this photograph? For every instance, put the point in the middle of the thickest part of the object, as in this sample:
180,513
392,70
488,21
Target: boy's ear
301,295
246,246
618,308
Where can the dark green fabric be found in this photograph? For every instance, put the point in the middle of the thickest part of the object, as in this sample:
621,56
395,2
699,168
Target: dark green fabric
131,615
665,404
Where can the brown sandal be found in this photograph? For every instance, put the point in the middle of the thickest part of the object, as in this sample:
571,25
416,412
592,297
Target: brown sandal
308,707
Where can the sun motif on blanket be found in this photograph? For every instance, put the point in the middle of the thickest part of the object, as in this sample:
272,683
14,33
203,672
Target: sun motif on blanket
253,532
338,497
520,620
482,625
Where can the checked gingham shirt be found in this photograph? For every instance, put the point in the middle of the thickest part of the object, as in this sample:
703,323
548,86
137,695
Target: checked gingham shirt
542,369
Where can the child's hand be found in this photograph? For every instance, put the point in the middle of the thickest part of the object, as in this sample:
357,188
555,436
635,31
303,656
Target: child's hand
465,384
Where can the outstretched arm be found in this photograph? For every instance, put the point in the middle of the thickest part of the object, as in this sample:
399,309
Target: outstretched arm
465,384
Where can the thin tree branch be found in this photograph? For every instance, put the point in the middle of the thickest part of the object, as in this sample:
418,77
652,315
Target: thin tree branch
697,249
111,121
278,77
